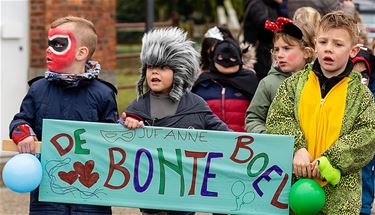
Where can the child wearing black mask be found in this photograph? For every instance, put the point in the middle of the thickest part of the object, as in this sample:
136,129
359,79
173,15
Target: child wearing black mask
227,88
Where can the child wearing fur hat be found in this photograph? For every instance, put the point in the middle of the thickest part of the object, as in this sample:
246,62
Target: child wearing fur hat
228,88
169,65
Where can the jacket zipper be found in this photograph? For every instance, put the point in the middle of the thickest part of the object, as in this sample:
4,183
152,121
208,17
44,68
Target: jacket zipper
223,102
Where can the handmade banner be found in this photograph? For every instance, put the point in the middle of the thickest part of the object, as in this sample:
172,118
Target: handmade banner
165,168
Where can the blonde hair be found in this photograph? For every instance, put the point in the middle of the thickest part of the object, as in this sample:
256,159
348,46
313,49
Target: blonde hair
362,31
84,30
307,19
340,19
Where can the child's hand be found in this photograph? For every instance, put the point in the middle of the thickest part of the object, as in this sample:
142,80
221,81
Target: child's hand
27,145
301,163
315,173
130,123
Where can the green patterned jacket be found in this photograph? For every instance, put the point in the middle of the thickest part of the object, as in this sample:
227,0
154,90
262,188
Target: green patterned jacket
354,148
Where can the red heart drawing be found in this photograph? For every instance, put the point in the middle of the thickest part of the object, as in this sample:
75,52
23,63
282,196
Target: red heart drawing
84,171
68,177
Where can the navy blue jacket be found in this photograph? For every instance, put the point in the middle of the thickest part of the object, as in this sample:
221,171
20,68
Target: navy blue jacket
92,100
192,112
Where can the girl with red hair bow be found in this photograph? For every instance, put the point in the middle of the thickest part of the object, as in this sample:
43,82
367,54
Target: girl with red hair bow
290,54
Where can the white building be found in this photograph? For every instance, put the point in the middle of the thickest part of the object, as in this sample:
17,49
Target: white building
14,55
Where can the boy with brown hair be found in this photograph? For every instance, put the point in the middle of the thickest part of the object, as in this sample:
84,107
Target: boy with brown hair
169,66
70,90
330,114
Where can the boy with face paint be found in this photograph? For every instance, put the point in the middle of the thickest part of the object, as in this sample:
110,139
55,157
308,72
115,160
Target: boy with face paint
70,90
228,88
61,49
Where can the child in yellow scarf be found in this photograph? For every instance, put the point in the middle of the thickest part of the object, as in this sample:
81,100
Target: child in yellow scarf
330,114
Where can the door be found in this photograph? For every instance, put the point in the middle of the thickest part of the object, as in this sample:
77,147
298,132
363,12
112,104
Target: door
14,46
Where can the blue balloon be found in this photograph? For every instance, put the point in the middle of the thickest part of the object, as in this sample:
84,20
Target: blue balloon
22,173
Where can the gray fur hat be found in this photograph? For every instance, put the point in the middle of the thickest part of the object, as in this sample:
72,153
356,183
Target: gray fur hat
170,47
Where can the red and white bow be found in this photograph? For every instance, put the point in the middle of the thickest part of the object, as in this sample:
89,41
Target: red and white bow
278,25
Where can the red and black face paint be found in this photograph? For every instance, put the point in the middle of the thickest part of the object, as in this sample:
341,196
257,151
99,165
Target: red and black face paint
61,49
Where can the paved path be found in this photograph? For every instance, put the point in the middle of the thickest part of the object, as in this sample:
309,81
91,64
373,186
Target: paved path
12,203
18,204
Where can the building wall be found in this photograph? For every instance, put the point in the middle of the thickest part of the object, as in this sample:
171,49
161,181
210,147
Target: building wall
14,55
101,12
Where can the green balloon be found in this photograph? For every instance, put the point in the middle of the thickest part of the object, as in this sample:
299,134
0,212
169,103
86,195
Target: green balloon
306,197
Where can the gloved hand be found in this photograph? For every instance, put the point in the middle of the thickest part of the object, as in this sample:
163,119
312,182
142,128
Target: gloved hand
328,172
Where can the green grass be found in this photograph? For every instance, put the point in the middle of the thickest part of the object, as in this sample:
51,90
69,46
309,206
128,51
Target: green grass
129,65
127,74
126,96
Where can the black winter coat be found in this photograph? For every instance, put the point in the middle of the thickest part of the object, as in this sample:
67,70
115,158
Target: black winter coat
256,14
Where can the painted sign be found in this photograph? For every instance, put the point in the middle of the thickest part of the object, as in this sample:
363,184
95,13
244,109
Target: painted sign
165,168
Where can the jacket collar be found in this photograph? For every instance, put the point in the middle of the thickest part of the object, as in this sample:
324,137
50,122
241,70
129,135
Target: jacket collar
318,71
326,84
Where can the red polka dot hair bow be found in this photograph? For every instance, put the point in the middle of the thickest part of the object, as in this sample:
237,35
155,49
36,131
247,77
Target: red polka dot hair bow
283,24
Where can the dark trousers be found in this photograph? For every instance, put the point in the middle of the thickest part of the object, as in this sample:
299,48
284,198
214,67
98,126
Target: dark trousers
54,208
368,187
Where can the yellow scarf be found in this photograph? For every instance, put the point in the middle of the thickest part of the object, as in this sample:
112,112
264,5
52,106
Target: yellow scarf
321,119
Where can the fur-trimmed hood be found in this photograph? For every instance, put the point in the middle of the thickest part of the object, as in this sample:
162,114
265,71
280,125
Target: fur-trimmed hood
248,55
170,47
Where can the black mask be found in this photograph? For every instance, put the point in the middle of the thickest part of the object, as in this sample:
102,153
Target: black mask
227,53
